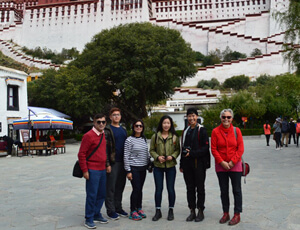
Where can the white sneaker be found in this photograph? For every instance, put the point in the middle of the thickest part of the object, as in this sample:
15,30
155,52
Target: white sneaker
277,149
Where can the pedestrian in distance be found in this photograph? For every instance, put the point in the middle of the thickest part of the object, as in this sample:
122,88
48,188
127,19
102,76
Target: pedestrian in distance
277,133
164,148
136,158
227,147
116,180
292,130
267,131
298,131
285,131
94,170
195,159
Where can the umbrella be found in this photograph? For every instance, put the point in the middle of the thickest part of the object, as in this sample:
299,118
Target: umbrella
43,120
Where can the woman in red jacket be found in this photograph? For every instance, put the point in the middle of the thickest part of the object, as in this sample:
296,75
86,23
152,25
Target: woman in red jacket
227,147
267,131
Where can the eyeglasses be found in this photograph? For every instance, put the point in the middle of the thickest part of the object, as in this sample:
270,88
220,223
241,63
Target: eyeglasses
116,115
138,126
101,122
228,117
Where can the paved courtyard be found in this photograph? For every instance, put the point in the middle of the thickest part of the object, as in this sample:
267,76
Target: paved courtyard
39,193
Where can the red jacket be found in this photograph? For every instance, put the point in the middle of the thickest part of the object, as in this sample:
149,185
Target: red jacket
89,142
227,148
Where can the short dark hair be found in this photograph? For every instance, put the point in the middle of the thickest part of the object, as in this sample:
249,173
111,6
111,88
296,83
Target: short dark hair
114,109
191,111
99,115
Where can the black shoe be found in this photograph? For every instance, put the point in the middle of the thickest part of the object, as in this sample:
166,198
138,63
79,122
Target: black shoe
192,216
170,214
157,215
200,216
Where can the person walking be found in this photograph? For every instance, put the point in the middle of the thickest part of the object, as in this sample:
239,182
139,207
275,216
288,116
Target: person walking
227,147
94,170
292,130
277,133
164,148
136,158
298,131
195,159
285,129
267,131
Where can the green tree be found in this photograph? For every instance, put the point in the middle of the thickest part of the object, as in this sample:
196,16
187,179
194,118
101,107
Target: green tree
237,82
229,55
209,84
290,19
137,64
256,52
213,57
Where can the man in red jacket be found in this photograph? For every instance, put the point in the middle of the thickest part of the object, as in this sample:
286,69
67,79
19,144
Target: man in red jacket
94,170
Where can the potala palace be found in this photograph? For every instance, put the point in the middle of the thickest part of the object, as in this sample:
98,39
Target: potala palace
241,25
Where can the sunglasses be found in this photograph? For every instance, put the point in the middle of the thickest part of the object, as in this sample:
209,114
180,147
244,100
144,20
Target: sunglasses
101,122
228,117
138,126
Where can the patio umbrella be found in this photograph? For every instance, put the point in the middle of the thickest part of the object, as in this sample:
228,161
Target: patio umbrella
42,121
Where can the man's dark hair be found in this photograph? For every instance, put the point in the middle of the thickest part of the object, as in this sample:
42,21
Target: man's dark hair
114,109
99,115
191,111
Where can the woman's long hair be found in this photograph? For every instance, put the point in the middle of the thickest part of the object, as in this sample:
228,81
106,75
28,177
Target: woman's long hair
267,123
132,128
160,128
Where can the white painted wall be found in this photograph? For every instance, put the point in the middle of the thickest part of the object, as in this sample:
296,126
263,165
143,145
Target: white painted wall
6,117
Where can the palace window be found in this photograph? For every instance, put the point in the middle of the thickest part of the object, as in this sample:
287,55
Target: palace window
13,97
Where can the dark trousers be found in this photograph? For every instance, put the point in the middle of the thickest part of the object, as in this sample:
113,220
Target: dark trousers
298,134
195,184
278,139
137,183
235,178
290,137
115,184
158,174
267,138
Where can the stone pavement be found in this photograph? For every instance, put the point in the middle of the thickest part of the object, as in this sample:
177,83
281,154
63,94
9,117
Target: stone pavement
40,193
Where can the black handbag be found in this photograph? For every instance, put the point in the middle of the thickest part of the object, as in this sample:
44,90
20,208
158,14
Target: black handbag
77,172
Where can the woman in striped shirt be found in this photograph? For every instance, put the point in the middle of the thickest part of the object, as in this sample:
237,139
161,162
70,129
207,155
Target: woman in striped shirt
136,157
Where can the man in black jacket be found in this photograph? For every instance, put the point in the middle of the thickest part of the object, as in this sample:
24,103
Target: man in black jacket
195,159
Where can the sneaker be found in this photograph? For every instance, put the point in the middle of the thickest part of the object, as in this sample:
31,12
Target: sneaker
134,216
141,213
90,225
100,219
122,213
277,149
113,215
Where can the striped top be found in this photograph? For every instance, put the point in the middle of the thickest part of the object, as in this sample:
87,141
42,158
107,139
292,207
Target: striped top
135,152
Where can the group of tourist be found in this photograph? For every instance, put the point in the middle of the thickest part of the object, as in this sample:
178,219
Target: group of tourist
115,157
283,132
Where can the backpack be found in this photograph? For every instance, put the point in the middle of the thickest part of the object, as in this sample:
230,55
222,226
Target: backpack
298,128
285,127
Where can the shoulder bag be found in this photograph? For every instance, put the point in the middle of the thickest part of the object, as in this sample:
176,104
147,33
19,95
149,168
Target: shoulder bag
77,172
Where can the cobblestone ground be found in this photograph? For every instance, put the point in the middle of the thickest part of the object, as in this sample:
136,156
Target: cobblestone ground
40,193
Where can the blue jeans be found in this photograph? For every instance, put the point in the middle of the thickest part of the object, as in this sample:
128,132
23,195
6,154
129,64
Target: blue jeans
95,193
158,174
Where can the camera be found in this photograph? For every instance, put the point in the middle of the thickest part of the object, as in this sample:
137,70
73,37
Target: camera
184,150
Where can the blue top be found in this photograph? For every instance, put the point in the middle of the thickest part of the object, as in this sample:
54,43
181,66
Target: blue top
120,136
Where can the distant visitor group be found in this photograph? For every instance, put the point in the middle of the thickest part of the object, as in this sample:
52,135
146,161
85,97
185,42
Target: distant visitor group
107,157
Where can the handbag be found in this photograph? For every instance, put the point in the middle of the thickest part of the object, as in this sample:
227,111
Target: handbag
245,166
77,172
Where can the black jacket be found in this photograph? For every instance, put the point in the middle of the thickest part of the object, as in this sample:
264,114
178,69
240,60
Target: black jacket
199,152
